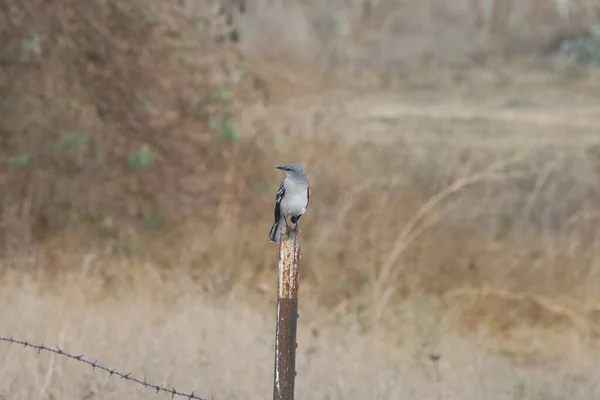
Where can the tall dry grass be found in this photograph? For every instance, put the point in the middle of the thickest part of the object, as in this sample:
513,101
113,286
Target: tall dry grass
389,222
389,219
173,334
451,210
365,34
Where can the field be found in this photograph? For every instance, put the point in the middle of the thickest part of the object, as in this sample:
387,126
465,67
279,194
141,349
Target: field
450,250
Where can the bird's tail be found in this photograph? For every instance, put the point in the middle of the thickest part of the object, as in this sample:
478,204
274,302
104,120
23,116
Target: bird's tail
275,233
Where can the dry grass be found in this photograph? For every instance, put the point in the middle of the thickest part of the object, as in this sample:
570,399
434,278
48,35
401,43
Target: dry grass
173,333
128,97
454,213
365,34
485,254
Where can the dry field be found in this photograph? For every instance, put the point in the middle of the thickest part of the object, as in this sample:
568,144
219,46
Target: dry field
222,347
451,250
511,310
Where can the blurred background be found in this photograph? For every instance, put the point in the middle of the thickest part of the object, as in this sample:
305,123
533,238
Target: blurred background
451,250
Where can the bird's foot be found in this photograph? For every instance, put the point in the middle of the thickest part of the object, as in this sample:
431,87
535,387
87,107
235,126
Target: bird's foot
295,220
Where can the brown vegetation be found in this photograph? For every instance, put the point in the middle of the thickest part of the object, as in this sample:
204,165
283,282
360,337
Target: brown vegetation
107,113
138,142
389,34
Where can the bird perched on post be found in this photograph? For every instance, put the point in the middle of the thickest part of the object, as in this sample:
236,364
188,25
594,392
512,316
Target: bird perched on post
291,200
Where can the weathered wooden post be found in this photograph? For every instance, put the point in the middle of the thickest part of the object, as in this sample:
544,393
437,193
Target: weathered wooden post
287,314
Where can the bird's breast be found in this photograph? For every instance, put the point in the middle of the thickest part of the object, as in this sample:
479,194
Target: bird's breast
294,202
294,205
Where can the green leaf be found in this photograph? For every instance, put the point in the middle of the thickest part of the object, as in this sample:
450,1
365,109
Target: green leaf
32,45
243,71
229,131
21,161
147,16
235,35
151,219
147,105
70,141
142,157
222,95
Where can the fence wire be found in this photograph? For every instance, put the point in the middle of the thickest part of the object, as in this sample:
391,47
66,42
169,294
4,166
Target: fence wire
95,365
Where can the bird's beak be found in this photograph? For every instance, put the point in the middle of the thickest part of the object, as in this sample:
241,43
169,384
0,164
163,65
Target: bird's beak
279,167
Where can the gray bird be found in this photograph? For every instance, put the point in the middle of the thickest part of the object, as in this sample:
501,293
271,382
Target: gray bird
291,200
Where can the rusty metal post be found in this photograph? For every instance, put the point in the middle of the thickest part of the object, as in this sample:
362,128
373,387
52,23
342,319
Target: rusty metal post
287,314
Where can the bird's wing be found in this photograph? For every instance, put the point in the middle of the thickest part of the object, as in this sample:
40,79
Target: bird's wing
307,196
278,197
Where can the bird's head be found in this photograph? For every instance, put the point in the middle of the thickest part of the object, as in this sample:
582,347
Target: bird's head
293,170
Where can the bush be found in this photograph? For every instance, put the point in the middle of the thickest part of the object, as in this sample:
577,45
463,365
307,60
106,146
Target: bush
584,48
108,111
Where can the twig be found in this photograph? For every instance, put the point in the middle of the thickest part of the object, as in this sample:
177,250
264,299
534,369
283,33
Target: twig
415,226
94,364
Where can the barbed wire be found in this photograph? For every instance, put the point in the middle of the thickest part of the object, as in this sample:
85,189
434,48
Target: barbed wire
94,364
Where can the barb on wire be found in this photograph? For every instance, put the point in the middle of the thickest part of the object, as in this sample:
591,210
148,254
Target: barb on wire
110,371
